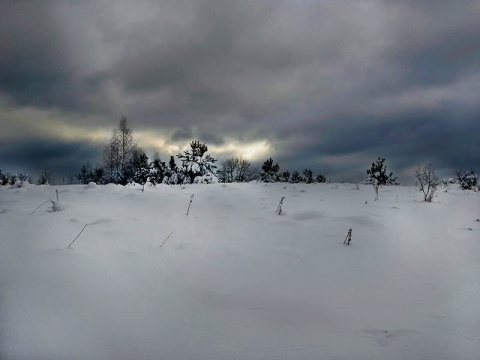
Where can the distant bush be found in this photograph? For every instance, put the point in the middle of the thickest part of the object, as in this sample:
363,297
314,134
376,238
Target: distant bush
296,178
7,178
46,178
320,178
468,180
308,176
284,176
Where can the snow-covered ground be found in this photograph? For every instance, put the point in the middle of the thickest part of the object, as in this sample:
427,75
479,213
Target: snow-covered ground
235,280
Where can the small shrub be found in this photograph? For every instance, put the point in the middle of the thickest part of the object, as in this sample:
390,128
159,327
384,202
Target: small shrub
427,181
468,180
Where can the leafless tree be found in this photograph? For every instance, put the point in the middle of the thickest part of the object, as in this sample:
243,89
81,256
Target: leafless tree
238,169
46,178
123,136
111,162
427,181
117,154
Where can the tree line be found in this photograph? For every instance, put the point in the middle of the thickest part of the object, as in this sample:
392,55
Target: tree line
124,162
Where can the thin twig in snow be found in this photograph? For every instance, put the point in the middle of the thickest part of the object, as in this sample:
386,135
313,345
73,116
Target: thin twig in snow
164,241
191,199
39,207
77,236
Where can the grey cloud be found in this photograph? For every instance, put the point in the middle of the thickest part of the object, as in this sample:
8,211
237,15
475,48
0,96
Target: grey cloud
61,158
34,67
372,78
406,140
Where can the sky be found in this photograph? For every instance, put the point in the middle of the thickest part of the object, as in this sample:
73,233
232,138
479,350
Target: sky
324,85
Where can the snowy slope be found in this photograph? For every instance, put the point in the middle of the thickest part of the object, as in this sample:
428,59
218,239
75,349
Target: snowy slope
235,280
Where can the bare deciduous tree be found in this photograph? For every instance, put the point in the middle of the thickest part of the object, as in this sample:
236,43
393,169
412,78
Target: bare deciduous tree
427,181
237,169
46,178
111,162
117,154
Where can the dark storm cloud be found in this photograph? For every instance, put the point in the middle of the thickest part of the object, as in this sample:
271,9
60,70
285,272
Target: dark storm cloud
316,80
435,43
409,139
34,68
62,158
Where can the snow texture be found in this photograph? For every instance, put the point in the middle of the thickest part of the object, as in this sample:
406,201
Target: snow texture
235,280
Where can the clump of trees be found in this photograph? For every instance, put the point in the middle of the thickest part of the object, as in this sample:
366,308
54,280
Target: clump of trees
125,162
377,176
46,178
17,179
87,174
237,169
270,173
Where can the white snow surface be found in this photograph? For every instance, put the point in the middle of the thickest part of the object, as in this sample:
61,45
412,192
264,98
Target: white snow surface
235,280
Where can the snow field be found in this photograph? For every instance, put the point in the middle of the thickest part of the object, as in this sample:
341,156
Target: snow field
235,280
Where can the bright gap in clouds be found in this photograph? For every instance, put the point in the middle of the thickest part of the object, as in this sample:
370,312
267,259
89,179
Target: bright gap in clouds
252,151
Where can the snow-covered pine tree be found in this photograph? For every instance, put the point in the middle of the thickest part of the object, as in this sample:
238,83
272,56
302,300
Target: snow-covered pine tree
141,169
320,178
157,170
308,176
197,165
170,173
468,180
296,178
284,176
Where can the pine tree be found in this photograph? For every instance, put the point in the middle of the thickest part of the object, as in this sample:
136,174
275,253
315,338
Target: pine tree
197,164
84,175
377,176
269,171
138,170
468,180
320,178
157,170
284,176
296,177
308,176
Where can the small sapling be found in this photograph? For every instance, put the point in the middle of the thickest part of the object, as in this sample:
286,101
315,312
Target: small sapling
279,207
191,199
348,239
